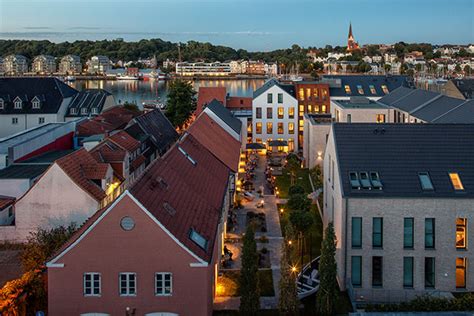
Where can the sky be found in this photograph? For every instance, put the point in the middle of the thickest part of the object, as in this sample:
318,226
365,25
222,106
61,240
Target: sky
255,25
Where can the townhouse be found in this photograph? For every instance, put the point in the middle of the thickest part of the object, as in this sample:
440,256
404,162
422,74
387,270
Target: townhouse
43,65
89,103
401,200
360,110
99,65
15,65
70,65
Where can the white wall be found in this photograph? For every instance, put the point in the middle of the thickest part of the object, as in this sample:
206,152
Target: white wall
314,142
359,115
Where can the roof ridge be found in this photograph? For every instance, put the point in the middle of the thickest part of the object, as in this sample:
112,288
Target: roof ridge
426,103
454,108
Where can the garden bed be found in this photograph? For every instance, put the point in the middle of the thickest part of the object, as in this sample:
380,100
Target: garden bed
228,283
258,221
264,258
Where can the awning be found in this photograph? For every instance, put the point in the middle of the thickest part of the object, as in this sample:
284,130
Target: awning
255,146
275,143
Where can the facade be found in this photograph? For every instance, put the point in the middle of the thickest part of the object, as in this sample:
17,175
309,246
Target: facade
203,69
316,133
99,65
2,69
271,69
459,88
15,65
70,64
360,110
274,113
30,102
207,94
401,221
44,65
89,103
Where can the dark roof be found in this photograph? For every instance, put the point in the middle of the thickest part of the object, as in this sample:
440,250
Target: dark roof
463,113
365,81
88,99
396,95
224,114
186,196
398,152
155,125
437,108
50,91
115,118
414,100
23,171
48,157
125,141
465,86
289,88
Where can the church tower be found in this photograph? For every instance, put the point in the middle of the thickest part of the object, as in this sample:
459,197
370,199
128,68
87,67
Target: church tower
351,43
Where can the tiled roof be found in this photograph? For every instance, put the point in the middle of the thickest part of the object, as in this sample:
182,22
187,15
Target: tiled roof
88,99
110,120
414,100
463,114
207,94
50,92
239,103
225,115
225,147
137,162
82,168
398,152
183,195
105,153
125,141
365,81
6,201
437,108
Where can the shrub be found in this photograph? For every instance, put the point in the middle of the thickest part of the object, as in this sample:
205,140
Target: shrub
295,189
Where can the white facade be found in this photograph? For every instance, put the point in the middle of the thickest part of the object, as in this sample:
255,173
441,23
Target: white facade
99,65
275,117
15,65
44,64
271,69
315,137
351,113
70,64
203,69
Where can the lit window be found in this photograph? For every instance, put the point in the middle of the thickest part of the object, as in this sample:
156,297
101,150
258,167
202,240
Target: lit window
372,89
323,108
325,94
456,181
380,118
91,284
308,92
425,181
461,273
258,113
163,284
310,108
316,109
258,140
291,112
281,112
269,128
461,233
301,109
316,93
269,113
348,89
291,128
301,93
300,125
258,128
280,128
385,89
128,284
360,89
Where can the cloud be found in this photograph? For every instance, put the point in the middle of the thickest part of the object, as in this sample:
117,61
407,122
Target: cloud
84,28
36,27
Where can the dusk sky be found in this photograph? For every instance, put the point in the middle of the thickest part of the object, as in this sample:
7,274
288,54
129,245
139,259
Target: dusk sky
249,24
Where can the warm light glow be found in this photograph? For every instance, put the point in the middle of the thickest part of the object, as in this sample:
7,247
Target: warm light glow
241,170
289,242
293,269
220,289
281,210
111,188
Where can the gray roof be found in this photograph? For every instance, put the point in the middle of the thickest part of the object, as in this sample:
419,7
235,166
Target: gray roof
398,152
359,103
288,88
48,157
88,99
395,95
23,171
224,114
365,82
463,113
414,100
437,108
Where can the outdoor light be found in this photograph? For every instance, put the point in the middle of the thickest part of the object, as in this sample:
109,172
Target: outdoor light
289,242
281,210
293,269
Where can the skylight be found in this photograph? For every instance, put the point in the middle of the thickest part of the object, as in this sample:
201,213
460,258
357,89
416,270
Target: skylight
198,239
456,181
348,89
187,155
425,181
364,180
375,180
360,89
372,89
385,89
354,178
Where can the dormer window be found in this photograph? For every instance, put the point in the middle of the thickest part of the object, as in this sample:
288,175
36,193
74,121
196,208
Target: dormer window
360,89
73,111
385,89
347,88
84,111
18,104
95,111
35,103
2,104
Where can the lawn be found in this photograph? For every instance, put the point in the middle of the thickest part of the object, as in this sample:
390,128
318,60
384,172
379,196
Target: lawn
228,283
283,182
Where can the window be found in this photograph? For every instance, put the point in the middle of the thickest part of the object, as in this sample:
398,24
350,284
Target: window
430,272
380,118
347,89
258,128
258,140
461,233
291,112
356,271
301,109
163,284
461,273
269,128
14,120
2,104
198,239
280,128
35,104
91,284
301,125
10,212
291,128
377,232
310,108
291,144
349,118
84,111
301,94
40,120
429,233
258,113
280,98
385,89
377,271
269,113
95,111
316,108
316,93
281,112
425,181
456,181
128,284
18,104
408,272
323,108
73,111
408,232
357,232
360,89
372,89
269,98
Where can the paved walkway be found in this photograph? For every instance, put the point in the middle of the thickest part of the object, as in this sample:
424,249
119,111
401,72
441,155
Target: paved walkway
273,235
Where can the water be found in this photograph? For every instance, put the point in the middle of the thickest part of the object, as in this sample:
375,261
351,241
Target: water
137,91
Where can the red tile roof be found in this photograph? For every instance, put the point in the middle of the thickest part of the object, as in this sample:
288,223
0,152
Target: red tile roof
124,140
185,196
6,201
209,133
207,94
82,168
105,153
137,162
239,103
110,120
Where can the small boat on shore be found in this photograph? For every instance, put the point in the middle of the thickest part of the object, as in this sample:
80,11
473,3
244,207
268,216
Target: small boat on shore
307,282
70,78
157,75
153,104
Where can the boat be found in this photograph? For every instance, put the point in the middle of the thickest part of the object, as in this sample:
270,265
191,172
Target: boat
307,281
153,104
70,78
127,77
157,75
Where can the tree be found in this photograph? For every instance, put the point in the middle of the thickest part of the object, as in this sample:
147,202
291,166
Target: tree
387,68
288,303
293,164
131,106
457,68
295,189
181,102
326,298
249,287
298,201
301,221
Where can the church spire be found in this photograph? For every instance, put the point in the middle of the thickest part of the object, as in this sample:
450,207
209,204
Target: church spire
350,30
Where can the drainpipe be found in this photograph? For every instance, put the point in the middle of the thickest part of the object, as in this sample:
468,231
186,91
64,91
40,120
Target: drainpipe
345,243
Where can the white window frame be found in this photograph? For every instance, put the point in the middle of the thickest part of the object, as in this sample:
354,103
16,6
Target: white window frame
41,120
95,111
2,104
35,104
128,287
18,105
163,286
84,111
92,274
73,111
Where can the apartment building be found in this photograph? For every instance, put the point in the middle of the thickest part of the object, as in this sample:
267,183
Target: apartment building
44,65
401,200
275,116
70,64
99,65
15,65
203,69
360,110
